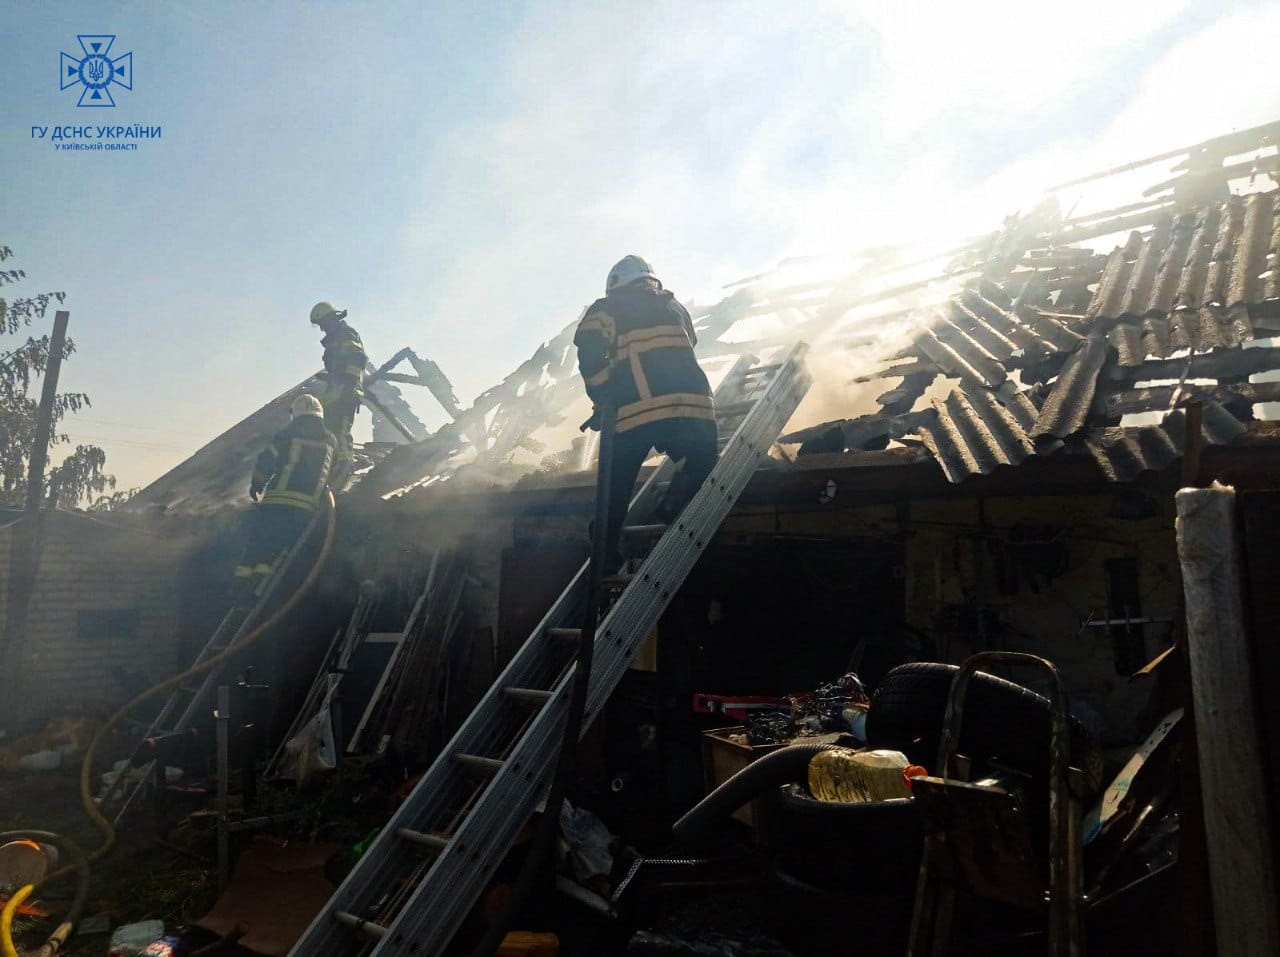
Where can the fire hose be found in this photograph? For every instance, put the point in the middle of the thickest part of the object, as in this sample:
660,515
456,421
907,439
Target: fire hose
97,818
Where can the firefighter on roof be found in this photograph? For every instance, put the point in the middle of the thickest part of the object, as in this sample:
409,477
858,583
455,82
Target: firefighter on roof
344,364
635,349
289,478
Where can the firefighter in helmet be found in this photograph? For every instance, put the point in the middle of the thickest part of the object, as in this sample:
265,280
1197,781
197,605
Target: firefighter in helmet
344,365
635,351
289,480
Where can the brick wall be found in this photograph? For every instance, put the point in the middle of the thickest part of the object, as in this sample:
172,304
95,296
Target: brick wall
104,617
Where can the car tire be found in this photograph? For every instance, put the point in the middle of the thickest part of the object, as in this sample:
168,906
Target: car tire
1004,724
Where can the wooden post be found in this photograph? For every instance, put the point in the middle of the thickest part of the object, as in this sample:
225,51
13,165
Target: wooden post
24,557
1241,872
1193,444
44,415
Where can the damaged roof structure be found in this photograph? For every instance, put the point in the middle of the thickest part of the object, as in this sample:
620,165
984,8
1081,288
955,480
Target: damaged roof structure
1025,342
1174,306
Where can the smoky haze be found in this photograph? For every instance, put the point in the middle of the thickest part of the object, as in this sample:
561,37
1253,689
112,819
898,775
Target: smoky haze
465,180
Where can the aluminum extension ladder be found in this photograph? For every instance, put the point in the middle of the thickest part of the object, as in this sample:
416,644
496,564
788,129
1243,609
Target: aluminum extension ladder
418,881
185,702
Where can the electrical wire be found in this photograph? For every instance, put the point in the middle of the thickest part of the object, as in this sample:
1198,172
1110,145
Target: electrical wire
87,803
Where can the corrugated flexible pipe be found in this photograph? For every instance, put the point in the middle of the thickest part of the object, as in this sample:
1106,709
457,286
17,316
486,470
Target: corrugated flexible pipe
774,769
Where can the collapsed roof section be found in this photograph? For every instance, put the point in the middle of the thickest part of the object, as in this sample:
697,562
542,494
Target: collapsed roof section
1008,345
1174,316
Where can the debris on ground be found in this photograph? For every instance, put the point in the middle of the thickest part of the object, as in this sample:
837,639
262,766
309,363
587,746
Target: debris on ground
274,892
130,940
45,750
836,706
693,942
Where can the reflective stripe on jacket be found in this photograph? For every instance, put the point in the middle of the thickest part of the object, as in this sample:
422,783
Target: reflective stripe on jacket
635,346
295,466
344,360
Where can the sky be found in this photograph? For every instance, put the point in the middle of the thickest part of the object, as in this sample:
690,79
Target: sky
462,176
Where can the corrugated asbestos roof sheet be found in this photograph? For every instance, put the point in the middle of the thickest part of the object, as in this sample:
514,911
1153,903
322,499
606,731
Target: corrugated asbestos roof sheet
1197,330
976,430
1177,303
1067,405
976,340
1125,453
1222,255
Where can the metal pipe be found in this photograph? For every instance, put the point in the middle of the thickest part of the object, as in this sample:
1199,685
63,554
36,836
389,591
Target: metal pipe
1065,876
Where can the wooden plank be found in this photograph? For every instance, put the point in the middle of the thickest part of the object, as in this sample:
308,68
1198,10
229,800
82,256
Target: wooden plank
1163,397
1219,364
1241,871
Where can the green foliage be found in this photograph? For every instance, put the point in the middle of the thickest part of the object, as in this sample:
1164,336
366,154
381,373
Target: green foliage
81,476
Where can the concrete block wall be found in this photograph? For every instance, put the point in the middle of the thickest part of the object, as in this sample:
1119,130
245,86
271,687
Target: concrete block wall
90,566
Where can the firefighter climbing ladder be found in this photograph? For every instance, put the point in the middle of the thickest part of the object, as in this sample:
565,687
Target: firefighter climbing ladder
185,701
415,885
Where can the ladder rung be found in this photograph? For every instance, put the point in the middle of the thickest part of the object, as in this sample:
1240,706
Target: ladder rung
403,888
768,367
359,923
735,408
655,529
423,839
473,762
529,696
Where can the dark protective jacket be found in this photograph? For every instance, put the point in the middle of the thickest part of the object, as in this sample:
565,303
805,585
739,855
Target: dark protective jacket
344,360
635,346
294,468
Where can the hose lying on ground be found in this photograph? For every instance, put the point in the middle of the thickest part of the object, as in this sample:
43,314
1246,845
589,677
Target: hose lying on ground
6,920
774,769
79,863
87,803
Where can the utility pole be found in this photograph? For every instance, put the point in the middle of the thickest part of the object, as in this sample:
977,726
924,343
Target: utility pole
24,557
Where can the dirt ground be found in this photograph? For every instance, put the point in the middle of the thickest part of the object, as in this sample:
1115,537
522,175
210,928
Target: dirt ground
139,880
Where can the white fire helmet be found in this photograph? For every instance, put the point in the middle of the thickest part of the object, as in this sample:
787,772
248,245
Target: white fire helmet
628,270
326,310
306,404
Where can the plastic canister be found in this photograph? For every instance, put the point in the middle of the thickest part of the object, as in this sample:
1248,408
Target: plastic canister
844,774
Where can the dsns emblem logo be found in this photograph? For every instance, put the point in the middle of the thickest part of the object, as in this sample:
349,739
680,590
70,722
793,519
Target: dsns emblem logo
96,71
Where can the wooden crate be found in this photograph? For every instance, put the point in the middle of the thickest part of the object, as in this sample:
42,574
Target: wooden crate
723,758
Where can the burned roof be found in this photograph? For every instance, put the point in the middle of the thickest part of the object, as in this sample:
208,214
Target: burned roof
1024,342
1175,315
